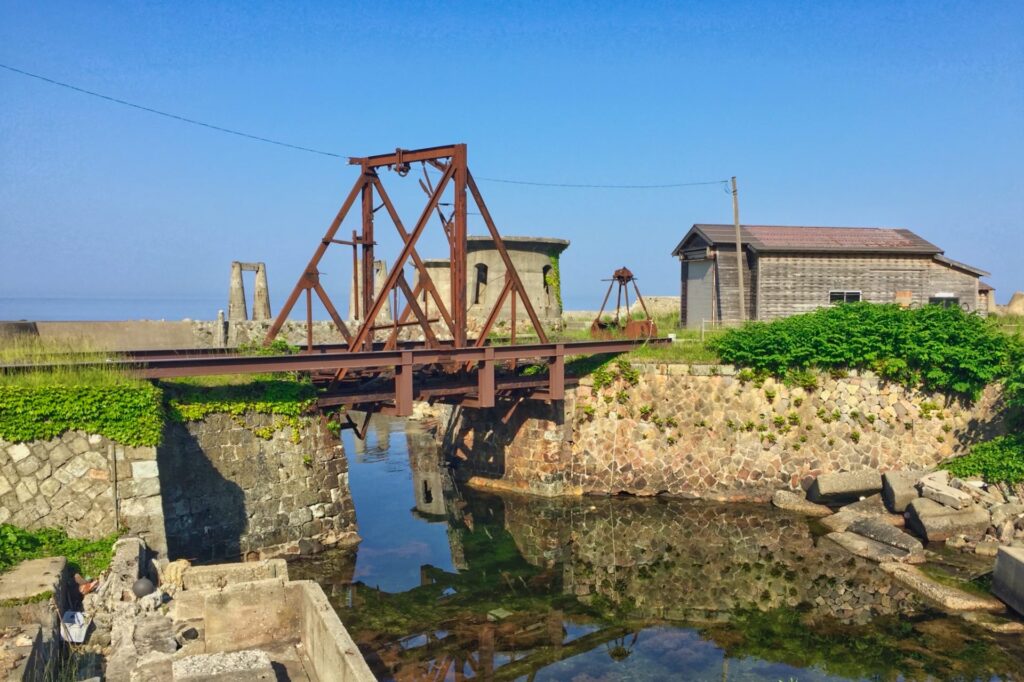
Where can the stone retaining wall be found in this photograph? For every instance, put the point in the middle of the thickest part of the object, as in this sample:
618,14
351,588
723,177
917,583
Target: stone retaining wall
228,492
213,489
702,432
83,483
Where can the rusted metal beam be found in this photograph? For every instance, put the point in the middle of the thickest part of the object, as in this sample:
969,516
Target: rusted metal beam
404,156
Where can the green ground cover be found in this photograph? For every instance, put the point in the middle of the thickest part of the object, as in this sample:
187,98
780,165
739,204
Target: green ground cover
88,557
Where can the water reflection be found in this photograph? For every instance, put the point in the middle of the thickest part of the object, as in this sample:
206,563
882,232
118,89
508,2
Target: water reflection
452,584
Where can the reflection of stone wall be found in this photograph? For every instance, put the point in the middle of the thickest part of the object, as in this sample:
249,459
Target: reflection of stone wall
228,492
71,482
702,432
695,561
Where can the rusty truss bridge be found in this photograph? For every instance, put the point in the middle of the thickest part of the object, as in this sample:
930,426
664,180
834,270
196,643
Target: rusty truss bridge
374,367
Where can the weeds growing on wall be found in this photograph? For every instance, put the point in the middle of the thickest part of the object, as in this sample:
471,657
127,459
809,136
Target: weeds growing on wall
88,557
934,347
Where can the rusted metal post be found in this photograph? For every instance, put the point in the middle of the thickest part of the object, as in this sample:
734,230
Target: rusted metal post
485,379
404,386
556,373
458,262
367,243
309,319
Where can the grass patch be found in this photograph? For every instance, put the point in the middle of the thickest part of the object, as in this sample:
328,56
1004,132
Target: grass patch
88,557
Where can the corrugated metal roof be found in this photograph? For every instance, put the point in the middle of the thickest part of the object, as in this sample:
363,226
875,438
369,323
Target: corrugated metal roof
766,238
970,269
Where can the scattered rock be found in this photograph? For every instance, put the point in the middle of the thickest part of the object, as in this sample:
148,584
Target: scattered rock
944,493
882,532
949,599
1001,513
899,488
845,486
936,522
790,501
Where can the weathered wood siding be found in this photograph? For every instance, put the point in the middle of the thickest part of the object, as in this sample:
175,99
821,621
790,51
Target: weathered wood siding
798,283
727,284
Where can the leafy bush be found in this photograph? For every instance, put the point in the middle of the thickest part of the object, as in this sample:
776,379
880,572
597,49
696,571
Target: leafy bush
88,557
284,397
938,348
130,413
1000,460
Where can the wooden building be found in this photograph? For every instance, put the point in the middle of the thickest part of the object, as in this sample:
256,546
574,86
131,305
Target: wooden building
789,270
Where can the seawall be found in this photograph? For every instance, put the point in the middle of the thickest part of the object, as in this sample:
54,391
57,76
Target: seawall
703,432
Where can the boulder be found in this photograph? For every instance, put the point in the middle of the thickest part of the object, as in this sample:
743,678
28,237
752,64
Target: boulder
790,501
845,486
867,548
936,522
879,531
1001,513
1008,577
899,488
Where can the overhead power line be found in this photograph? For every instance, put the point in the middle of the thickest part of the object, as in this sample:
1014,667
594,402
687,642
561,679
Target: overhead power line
279,143
168,114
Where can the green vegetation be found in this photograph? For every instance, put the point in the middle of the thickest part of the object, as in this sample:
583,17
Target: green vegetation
553,279
1000,460
938,348
88,557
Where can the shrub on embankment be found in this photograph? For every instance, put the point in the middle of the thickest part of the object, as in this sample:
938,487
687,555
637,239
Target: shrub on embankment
935,348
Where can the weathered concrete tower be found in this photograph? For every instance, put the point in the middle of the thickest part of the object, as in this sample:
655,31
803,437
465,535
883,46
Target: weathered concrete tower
261,297
380,276
236,295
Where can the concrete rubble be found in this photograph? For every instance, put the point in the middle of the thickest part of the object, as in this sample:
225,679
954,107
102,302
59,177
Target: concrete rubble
790,501
845,486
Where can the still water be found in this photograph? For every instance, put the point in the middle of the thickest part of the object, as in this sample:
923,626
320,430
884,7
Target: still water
449,584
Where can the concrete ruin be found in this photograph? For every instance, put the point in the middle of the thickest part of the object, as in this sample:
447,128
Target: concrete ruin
236,293
536,261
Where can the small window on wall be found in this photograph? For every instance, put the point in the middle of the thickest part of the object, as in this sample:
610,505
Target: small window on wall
945,301
835,297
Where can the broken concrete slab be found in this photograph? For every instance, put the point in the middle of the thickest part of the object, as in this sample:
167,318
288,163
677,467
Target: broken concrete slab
874,507
878,531
221,575
949,599
31,579
845,486
1001,513
945,494
236,666
867,548
790,501
936,522
899,488
1008,577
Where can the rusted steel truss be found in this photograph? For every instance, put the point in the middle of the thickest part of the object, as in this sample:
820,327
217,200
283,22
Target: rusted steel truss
451,161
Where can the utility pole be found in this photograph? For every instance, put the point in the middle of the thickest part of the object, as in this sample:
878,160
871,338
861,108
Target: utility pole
739,247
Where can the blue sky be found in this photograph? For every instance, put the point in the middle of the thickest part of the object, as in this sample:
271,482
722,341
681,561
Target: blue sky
859,113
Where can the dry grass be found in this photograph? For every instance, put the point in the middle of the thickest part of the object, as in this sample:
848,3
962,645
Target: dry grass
32,362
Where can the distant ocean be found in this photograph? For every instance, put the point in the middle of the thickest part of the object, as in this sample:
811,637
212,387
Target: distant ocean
99,308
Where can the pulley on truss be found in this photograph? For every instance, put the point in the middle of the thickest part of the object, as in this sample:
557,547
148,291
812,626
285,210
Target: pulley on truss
630,328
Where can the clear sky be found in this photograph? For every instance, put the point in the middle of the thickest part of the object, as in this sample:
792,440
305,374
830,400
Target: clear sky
906,114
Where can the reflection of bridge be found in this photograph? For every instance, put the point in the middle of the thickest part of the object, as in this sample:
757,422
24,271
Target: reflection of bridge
373,369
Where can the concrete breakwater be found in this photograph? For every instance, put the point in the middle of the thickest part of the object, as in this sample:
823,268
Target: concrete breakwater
213,489
704,431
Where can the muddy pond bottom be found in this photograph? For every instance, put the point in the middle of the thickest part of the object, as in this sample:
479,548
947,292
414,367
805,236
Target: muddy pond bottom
451,584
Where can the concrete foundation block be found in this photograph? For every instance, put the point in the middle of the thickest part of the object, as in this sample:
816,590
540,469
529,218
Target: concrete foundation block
1008,577
845,486
237,666
899,488
936,522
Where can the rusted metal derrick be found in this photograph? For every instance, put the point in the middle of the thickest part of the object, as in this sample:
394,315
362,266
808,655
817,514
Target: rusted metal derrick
617,327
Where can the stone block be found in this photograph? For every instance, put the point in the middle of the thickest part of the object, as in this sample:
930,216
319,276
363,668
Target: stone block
19,451
235,666
887,534
790,501
936,522
867,548
874,507
899,488
145,469
32,578
845,486
1008,577
944,494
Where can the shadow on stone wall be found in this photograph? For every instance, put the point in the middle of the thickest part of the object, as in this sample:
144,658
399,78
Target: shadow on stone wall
204,513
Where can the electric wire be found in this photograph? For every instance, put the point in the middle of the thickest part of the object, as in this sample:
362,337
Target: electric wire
311,150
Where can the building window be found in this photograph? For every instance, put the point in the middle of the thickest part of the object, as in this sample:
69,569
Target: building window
835,297
481,284
945,301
